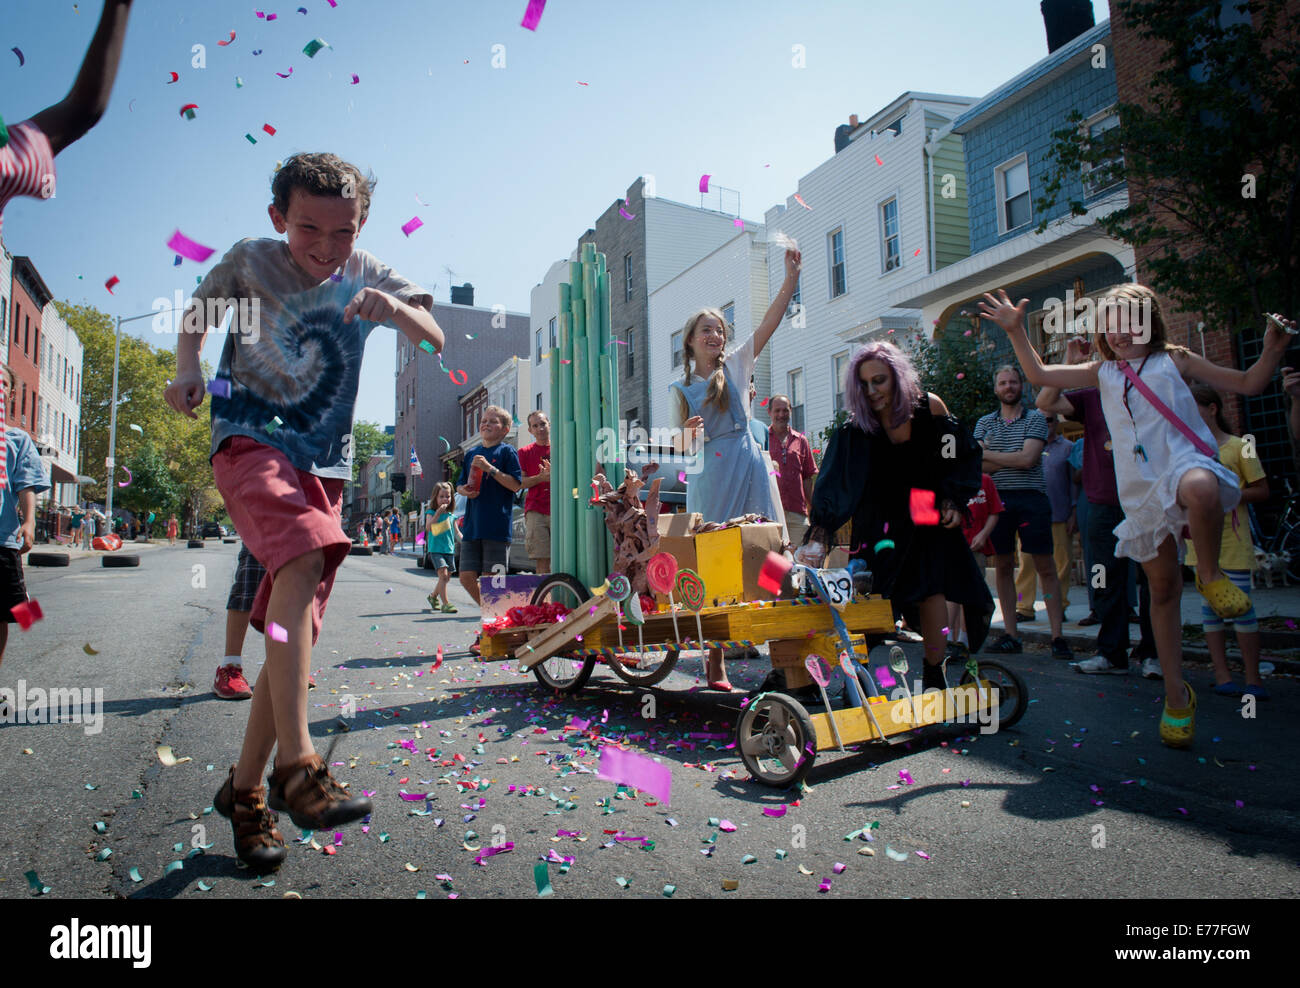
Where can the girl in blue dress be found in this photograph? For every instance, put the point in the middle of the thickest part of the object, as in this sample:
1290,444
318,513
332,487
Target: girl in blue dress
710,409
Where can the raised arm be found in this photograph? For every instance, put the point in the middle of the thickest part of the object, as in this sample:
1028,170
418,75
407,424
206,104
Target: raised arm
776,311
1012,320
1252,381
1051,400
76,113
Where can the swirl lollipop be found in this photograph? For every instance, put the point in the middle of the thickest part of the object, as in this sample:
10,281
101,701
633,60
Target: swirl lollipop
659,573
691,589
617,589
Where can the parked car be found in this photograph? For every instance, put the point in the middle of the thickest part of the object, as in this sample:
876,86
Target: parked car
669,469
211,530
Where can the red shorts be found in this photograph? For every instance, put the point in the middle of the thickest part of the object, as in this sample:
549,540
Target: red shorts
281,513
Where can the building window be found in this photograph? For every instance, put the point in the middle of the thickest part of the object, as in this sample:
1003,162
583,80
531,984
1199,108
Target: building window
555,340
794,385
894,128
539,346
631,352
836,244
677,348
839,367
538,407
729,317
633,417
1109,171
891,254
1013,194
627,277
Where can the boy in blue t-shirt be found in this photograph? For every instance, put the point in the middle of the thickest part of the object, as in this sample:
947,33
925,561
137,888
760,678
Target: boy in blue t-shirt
281,453
26,479
494,478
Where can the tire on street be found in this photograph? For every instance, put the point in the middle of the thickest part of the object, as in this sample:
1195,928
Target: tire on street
48,559
194,544
112,562
361,550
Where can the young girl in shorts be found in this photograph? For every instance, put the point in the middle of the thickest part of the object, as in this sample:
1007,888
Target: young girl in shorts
441,545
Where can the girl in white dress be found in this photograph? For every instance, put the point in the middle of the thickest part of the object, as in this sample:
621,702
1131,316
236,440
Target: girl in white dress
1165,479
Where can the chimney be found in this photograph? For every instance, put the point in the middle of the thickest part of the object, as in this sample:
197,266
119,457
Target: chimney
462,294
1065,20
843,131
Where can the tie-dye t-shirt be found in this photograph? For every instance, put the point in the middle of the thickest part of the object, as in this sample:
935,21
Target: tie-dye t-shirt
288,354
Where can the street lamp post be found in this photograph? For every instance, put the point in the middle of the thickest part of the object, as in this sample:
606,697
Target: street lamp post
111,463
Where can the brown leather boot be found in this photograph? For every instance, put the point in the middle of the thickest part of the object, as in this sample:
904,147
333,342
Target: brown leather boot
257,841
312,798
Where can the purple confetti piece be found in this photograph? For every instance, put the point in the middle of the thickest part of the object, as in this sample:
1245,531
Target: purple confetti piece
411,225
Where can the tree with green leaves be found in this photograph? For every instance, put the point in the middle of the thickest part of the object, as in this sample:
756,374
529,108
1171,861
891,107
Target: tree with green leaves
368,438
152,486
959,369
1211,158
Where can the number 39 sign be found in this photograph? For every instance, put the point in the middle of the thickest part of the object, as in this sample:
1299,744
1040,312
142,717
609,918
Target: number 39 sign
839,586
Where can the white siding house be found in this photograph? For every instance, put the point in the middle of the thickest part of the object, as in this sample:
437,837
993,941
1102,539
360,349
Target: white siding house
508,385
58,423
733,278
544,327
864,227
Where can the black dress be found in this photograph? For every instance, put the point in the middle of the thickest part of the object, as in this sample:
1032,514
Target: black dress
869,479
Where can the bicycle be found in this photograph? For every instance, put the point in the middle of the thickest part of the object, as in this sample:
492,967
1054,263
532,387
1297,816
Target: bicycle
1286,533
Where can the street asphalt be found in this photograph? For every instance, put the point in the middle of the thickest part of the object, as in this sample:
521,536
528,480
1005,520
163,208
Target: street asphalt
1217,821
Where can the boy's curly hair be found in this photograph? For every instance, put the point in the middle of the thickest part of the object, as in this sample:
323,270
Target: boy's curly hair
321,174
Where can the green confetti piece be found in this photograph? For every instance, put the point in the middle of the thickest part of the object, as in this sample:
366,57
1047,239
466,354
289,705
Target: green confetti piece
205,811
622,882
374,627
178,847
564,868
239,82
210,767
205,887
91,786
137,794
315,45
104,855
748,859
135,875
250,138
36,885
896,855
669,890
383,838
174,866
713,821
100,827
274,424
875,825
542,876
427,347
267,884
855,835
780,854
4,133
422,894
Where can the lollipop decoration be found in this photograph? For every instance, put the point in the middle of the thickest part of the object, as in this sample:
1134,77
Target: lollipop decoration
898,662
659,574
822,677
691,589
617,588
637,617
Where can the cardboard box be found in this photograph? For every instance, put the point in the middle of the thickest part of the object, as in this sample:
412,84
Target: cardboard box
674,539
731,559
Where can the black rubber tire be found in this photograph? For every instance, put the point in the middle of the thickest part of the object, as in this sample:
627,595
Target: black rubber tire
361,550
426,561
805,737
575,589
48,559
113,562
230,541
194,544
1020,702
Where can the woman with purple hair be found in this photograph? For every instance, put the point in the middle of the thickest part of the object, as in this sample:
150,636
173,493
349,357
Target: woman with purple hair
899,439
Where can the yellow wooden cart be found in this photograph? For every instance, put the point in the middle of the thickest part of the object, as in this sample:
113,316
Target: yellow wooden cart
776,736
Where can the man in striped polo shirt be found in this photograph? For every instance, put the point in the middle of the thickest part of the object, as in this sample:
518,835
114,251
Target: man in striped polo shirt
1013,438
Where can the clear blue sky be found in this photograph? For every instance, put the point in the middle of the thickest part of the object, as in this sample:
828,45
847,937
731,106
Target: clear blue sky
514,162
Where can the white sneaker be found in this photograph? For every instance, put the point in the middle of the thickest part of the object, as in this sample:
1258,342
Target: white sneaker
1099,665
1151,669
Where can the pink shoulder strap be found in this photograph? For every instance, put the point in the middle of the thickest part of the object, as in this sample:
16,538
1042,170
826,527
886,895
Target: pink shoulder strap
1201,445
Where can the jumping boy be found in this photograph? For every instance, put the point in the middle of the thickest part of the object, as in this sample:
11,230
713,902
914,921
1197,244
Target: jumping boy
281,453
494,478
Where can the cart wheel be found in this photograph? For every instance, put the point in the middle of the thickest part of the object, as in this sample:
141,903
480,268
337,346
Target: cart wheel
565,673
643,668
776,740
1013,695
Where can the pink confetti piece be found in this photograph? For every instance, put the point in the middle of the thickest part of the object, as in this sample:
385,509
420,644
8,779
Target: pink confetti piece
269,129
110,283
355,78
637,771
270,17
906,777
771,576
727,827
411,225
183,245
285,75
704,183
415,797
738,222
885,678
1238,803
533,14
878,161
224,43
922,507
825,885
961,375
799,199
681,476
276,632
923,856
775,811
1183,810
175,77
489,852
839,867
625,214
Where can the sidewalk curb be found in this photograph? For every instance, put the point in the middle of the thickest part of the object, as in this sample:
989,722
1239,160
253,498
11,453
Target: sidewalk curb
1085,646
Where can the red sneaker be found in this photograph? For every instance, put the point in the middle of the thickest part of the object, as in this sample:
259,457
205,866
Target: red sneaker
230,683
